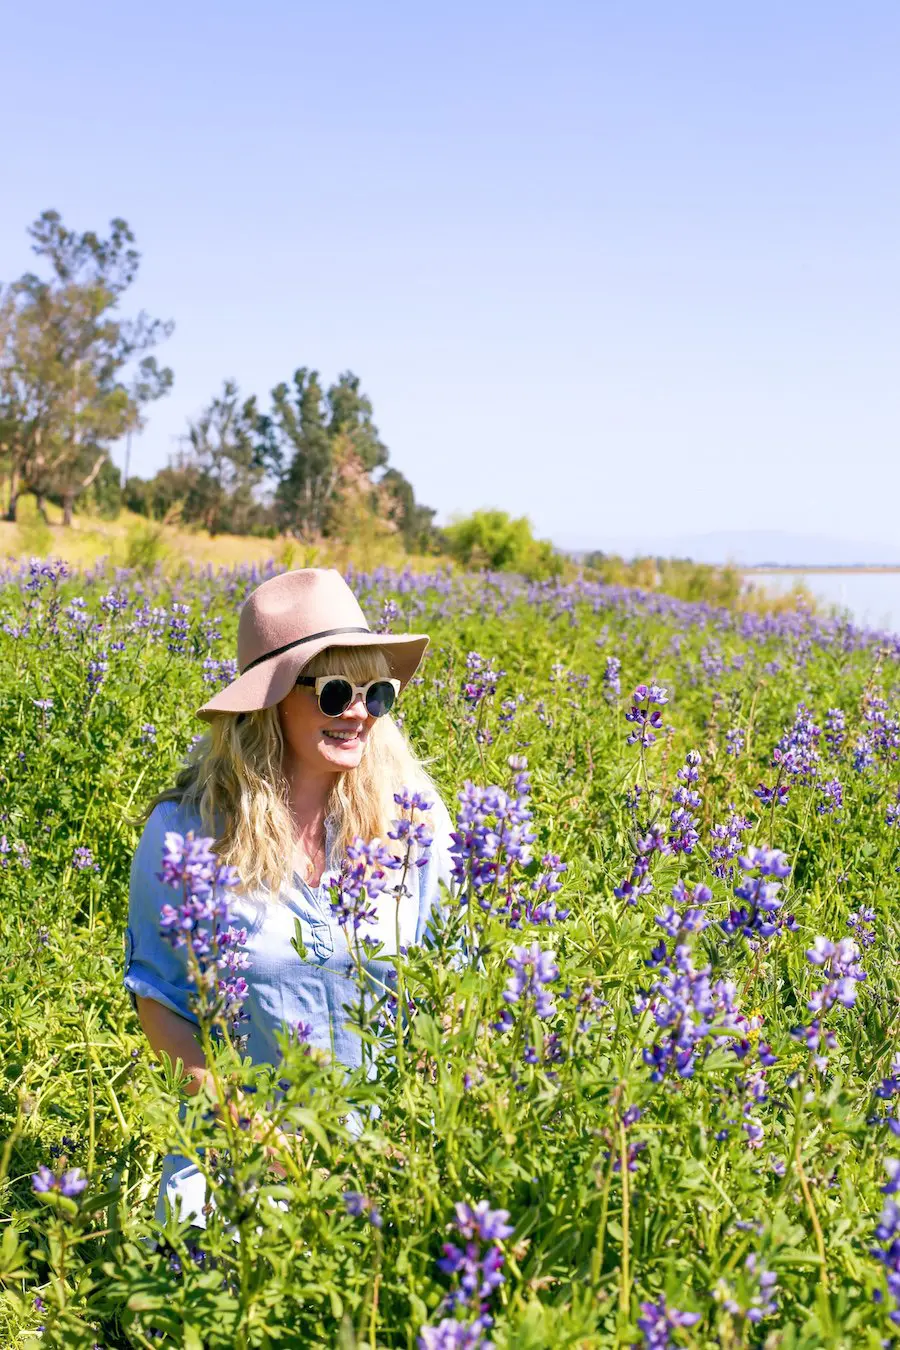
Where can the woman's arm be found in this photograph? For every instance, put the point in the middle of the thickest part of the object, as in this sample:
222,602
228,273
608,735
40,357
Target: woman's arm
168,1032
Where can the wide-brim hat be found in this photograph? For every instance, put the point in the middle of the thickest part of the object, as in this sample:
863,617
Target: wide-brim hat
285,622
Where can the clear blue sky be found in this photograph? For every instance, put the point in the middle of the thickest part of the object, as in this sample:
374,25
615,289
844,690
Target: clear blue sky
622,268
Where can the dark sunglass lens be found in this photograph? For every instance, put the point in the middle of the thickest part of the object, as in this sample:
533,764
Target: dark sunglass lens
335,697
380,698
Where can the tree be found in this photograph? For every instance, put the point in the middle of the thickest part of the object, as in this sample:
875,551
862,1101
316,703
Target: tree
414,521
223,445
104,496
310,437
74,374
351,416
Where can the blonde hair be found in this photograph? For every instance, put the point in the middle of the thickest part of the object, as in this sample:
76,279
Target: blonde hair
233,777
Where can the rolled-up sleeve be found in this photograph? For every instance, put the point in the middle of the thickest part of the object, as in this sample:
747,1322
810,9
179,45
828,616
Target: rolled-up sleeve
153,967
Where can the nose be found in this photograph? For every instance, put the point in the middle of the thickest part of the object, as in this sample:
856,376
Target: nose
356,709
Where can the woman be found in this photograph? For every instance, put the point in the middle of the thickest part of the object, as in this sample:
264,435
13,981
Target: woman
302,756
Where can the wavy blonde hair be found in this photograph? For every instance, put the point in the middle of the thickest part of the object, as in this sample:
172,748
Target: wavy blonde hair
234,777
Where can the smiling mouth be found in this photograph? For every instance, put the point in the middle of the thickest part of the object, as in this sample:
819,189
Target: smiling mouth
341,736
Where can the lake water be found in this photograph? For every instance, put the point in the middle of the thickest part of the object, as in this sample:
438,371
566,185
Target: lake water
872,598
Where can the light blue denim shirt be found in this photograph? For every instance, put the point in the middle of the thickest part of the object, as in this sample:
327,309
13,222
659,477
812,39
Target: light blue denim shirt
284,988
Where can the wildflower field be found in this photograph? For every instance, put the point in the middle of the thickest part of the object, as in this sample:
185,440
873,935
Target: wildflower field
641,1087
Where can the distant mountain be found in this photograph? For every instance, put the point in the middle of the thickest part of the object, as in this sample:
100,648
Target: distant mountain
752,548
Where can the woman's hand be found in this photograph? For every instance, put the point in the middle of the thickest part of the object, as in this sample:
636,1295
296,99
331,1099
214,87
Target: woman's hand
168,1032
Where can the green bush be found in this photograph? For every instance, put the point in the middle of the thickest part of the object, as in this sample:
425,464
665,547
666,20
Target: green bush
494,540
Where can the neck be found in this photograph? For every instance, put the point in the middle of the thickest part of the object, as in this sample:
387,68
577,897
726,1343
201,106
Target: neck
307,795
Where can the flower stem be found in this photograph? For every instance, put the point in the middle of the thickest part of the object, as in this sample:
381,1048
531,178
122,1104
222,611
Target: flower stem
625,1284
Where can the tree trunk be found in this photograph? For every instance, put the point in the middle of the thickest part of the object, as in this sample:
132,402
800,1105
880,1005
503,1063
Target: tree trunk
71,493
39,506
13,493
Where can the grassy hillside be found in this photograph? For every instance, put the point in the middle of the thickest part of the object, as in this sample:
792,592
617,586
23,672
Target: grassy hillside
134,541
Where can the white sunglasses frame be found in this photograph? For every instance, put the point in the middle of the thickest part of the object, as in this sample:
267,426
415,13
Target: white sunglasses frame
320,681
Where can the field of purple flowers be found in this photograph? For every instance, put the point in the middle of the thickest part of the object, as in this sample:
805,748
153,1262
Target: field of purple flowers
643,1087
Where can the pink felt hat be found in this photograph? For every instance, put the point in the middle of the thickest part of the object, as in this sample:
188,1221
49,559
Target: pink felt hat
285,622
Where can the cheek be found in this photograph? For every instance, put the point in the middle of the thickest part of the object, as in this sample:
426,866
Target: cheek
299,724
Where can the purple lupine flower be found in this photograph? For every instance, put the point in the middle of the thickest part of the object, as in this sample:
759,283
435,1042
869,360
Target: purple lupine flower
612,684
590,1007
687,1007
683,826
390,612
477,1273
833,795
452,1335
65,1147
211,630
863,924
507,711
415,836
114,602
69,1182
657,1320
178,629
475,1268
863,754
218,673
540,908
357,1205
892,1185
835,729
148,733
797,752
840,965
888,1233
734,741
492,843
482,678
301,1032
752,1299
532,969
83,860
355,888
199,923
689,915
777,795
482,1222
96,672
645,846
758,919
728,844
883,734
818,1039
644,715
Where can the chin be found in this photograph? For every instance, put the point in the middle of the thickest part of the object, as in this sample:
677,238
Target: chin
344,759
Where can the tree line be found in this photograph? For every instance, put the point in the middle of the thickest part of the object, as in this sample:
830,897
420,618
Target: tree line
77,375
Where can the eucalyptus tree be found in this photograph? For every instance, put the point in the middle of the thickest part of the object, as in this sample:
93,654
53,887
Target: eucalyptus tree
75,373
308,435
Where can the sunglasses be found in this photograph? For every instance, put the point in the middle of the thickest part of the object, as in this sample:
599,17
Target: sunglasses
335,694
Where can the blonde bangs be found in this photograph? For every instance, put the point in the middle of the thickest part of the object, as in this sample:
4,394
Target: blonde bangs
234,779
